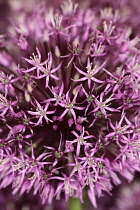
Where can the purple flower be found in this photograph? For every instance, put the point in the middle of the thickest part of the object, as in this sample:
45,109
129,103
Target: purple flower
89,74
69,101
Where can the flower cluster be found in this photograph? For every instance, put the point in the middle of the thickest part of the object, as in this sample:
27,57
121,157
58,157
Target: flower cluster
69,102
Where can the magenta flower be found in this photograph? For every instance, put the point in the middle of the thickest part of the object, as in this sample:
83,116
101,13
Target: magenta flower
70,105
89,74
41,113
80,140
69,101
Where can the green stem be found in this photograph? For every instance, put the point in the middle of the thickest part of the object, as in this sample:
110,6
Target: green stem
74,204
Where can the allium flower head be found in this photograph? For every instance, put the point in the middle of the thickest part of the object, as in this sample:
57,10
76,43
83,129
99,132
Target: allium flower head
69,102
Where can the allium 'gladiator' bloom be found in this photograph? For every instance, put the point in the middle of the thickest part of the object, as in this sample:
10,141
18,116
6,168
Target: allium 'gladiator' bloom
69,102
